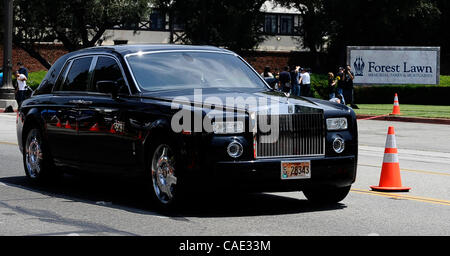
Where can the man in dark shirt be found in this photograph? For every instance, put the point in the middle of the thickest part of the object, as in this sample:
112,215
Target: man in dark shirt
285,80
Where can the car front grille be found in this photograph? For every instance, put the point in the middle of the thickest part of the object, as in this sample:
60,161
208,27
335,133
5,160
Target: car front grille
300,134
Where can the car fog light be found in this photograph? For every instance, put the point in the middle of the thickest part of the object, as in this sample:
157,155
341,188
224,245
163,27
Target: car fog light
235,149
338,145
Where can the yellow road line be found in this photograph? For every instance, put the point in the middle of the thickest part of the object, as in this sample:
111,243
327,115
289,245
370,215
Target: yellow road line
409,170
398,196
9,143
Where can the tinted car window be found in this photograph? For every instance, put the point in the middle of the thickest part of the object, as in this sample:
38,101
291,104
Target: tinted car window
77,78
49,80
181,70
107,69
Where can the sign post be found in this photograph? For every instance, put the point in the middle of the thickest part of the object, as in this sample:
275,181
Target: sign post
394,65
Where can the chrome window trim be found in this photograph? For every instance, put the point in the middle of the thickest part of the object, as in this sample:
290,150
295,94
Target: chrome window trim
91,68
250,66
118,64
62,75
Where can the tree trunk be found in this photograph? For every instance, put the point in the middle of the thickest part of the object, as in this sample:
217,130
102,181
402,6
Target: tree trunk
33,53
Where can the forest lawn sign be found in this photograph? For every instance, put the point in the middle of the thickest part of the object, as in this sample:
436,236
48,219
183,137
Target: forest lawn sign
394,65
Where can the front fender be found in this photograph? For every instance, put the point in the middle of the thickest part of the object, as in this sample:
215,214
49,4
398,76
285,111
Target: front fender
28,118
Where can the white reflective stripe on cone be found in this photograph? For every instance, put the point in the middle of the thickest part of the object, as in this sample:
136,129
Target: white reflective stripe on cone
390,141
390,158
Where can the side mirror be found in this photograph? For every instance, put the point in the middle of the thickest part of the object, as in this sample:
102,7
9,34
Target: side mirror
108,87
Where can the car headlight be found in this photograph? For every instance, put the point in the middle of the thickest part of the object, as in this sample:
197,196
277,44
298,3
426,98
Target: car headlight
334,124
228,127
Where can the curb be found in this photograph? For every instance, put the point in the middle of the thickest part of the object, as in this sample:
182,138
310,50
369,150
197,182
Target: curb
405,119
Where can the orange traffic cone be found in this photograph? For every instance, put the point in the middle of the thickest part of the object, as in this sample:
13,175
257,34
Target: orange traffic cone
396,109
390,179
68,126
94,128
112,130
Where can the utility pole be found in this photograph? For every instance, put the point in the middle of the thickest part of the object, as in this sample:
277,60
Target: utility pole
7,89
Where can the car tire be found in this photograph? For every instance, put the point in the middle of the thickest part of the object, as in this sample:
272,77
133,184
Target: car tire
165,178
327,195
37,161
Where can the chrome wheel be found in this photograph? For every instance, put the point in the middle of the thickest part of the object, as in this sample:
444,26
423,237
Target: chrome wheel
33,156
163,174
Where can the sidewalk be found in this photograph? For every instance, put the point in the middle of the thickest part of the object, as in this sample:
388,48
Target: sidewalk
405,119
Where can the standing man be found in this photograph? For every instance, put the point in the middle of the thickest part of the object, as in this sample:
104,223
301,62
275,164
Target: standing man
285,80
294,80
22,69
348,86
305,83
21,88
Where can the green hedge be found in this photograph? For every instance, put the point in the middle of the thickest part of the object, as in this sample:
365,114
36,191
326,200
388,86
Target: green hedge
34,79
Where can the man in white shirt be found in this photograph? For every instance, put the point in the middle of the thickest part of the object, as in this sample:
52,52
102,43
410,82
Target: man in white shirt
305,83
21,87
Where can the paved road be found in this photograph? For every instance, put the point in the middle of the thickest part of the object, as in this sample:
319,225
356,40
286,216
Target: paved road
81,206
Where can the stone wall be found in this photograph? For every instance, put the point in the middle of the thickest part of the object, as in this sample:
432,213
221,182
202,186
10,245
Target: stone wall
317,62
258,59
51,52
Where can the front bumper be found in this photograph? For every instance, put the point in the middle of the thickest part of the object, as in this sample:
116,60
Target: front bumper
265,174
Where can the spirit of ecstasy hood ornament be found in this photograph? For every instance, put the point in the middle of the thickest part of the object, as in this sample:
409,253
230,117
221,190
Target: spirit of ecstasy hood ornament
287,97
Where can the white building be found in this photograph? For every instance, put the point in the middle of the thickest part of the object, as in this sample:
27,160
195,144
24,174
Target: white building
281,25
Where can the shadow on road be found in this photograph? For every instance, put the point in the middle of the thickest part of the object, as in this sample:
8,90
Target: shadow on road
135,197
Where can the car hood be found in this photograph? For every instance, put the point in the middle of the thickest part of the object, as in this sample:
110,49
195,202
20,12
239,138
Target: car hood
244,99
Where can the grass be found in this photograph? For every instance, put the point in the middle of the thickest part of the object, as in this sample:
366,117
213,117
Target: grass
35,78
426,111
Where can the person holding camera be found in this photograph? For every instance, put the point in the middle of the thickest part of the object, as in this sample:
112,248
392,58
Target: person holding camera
21,90
347,79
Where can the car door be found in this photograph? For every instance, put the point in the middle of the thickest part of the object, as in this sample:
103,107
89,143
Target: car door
62,114
108,143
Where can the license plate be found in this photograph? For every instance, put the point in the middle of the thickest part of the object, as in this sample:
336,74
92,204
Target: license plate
295,170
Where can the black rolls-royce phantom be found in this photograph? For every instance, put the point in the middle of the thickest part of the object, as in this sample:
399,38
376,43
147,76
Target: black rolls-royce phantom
182,115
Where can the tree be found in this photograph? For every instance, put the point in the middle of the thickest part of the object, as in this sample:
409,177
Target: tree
233,24
381,23
75,23
314,28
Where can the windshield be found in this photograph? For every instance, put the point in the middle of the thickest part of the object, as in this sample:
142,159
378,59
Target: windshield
185,70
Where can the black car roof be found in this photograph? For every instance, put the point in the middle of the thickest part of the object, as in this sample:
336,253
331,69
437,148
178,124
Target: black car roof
129,49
